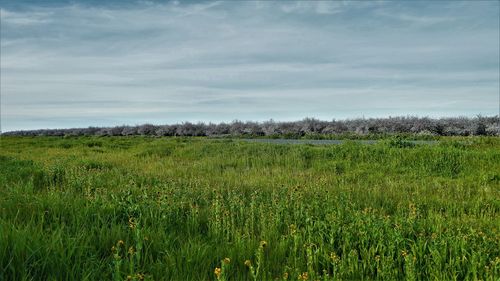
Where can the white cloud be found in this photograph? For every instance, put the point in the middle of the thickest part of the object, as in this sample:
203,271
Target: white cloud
236,60
25,18
318,7
415,19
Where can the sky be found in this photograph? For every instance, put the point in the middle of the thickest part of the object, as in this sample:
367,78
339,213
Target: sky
84,63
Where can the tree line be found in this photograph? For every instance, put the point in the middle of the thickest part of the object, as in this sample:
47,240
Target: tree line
454,126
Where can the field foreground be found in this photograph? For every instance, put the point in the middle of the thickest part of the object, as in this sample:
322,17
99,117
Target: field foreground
140,208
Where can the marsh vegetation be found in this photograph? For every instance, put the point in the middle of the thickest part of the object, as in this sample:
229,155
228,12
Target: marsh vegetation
141,208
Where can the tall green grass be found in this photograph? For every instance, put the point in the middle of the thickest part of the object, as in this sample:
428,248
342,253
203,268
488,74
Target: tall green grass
197,209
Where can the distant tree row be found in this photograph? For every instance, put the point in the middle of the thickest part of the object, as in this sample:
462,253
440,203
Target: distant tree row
456,126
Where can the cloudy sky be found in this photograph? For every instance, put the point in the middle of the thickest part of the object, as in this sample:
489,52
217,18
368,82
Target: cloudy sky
84,63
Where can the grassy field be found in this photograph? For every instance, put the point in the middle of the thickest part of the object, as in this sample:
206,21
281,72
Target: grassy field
134,208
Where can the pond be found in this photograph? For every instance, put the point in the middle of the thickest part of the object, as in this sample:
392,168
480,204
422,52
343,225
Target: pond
326,142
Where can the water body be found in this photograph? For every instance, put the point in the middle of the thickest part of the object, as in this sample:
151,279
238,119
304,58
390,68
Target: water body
325,142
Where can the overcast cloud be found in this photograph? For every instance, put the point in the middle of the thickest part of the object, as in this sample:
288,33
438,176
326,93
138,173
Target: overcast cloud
75,64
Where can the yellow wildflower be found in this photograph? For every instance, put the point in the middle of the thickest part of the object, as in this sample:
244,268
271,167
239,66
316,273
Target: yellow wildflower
304,276
217,272
131,222
334,257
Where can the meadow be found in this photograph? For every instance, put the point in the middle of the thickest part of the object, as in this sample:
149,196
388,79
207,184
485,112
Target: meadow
173,208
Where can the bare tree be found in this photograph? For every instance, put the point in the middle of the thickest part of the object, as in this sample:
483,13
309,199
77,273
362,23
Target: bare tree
457,126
